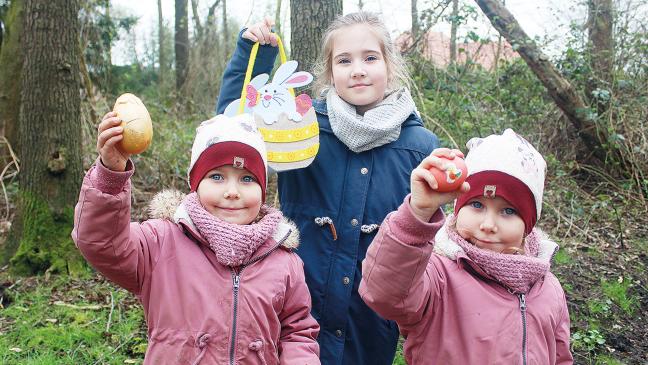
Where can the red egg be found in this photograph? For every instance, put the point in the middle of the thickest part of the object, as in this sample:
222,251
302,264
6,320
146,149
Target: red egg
454,175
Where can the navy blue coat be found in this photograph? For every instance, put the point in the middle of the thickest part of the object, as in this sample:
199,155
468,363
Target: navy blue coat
355,190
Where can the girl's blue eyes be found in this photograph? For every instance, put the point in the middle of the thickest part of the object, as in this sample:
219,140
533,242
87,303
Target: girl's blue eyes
507,211
346,60
476,204
510,211
244,178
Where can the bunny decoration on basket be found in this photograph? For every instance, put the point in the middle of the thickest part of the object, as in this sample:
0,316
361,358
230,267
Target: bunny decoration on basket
288,123
270,100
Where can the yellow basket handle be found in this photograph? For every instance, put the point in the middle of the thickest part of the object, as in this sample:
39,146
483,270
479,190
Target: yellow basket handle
250,67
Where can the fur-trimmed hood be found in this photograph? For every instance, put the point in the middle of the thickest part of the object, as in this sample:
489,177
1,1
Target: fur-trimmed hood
167,204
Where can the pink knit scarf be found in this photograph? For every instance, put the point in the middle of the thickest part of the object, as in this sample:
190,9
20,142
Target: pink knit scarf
517,273
234,244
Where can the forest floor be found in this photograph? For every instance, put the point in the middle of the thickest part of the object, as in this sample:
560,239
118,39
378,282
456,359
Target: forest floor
55,319
602,267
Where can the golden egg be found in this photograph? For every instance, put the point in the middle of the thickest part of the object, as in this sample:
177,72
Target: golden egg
136,121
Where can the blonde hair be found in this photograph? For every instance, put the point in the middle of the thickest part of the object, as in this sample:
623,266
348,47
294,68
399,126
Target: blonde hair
397,73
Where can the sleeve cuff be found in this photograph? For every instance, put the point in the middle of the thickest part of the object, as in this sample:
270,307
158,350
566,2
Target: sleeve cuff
108,181
411,230
244,42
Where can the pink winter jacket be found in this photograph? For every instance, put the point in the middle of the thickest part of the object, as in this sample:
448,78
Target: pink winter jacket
450,314
197,310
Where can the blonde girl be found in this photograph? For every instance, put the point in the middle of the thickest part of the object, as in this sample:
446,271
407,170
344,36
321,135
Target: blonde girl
371,138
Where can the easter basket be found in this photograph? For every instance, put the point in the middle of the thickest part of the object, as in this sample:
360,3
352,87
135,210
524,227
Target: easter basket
288,123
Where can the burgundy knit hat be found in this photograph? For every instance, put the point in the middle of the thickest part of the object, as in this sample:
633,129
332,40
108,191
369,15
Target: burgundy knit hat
237,154
496,183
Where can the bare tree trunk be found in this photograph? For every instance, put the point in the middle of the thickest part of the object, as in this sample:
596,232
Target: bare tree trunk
212,37
50,135
162,56
11,60
87,84
561,91
416,27
181,43
600,24
498,52
196,18
360,5
309,19
210,22
225,32
278,19
108,49
453,31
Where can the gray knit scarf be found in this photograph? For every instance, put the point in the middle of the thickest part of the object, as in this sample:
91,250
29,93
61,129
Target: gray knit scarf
378,126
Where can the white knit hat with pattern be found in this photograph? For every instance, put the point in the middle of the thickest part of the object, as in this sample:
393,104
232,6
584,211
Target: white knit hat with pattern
493,160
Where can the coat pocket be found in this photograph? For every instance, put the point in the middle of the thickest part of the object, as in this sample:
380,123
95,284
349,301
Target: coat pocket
318,243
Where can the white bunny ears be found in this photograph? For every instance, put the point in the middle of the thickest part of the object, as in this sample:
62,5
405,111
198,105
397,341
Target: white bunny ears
275,98
285,76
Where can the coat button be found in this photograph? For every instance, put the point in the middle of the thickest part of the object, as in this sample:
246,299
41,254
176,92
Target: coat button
346,280
364,170
338,333
354,222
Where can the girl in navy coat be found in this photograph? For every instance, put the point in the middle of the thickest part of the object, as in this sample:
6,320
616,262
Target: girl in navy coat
371,137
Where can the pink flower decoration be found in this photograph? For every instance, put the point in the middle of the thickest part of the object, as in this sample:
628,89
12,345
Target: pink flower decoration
303,103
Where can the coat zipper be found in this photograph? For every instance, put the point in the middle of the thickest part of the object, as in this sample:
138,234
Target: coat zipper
236,280
523,308
236,283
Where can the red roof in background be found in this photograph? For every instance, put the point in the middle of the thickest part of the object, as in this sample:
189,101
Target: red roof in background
437,49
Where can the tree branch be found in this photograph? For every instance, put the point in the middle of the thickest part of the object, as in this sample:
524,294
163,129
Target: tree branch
194,10
212,10
561,91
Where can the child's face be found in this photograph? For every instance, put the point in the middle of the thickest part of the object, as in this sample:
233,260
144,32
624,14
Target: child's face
491,224
230,194
359,70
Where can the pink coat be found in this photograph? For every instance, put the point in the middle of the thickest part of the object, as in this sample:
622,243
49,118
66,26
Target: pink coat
197,310
448,313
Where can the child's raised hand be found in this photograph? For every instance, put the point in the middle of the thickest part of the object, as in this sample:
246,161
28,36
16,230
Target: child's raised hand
110,133
425,199
262,32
